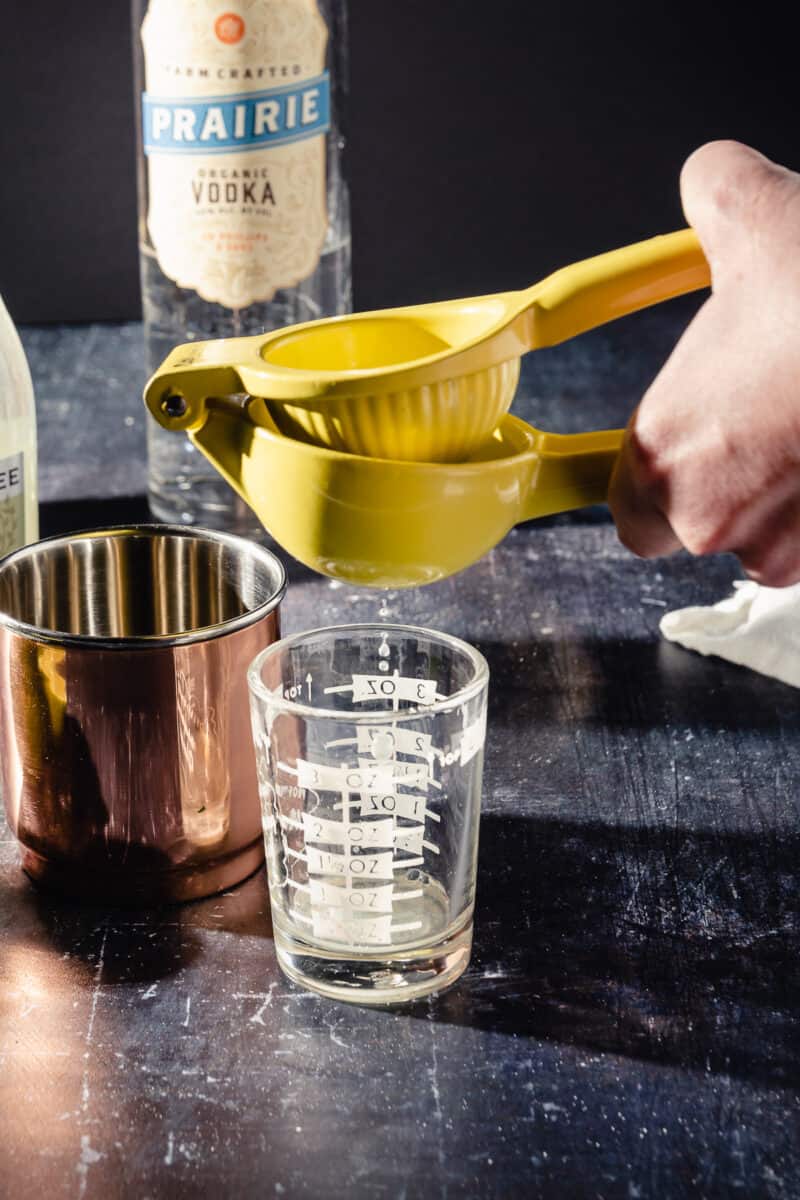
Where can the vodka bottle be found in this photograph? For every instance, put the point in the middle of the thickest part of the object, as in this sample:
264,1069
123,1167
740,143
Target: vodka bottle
244,221
19,513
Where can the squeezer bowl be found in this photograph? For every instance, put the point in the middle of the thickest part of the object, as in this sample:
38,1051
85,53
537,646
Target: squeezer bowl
445,421
342,384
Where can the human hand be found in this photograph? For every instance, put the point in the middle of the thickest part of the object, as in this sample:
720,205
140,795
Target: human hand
711,459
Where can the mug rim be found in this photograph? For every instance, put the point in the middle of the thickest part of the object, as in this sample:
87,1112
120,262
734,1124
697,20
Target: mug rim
149,641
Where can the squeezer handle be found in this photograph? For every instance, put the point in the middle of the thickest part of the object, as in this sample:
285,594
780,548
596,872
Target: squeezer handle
574,469
600,289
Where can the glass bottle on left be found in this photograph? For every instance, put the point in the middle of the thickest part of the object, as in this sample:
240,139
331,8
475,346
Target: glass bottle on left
19,510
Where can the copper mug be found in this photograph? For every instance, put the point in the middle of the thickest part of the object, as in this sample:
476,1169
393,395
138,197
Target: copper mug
126,761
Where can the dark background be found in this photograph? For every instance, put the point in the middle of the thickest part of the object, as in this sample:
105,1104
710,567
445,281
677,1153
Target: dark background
489,142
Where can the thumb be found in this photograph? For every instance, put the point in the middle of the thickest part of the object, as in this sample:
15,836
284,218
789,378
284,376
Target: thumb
727,189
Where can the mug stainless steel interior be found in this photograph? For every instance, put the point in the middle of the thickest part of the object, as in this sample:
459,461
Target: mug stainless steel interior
126,761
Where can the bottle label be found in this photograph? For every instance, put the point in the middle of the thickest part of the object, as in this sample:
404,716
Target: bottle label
12,503
234,118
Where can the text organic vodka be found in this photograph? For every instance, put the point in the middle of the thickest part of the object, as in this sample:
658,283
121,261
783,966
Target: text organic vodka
243,208
19,511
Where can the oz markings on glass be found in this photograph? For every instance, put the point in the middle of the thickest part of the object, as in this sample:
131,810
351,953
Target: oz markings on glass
385,744
350,886
351,882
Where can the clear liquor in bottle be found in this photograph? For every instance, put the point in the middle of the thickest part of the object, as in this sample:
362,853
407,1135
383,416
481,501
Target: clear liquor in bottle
244,221
19,511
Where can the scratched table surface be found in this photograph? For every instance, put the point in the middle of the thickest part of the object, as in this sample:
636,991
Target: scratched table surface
629,1024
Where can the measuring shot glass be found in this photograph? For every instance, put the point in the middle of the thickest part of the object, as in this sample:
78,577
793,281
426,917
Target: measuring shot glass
369,745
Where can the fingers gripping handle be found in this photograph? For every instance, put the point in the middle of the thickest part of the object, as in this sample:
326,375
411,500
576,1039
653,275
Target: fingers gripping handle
590,293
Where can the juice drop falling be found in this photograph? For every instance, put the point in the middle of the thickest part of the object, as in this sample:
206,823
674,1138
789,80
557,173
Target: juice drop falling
384,610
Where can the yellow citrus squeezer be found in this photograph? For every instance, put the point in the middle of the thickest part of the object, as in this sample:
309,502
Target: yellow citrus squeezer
376,448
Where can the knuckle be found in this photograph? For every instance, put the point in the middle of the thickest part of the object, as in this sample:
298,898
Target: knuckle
702,539
774,566
648,464
706,514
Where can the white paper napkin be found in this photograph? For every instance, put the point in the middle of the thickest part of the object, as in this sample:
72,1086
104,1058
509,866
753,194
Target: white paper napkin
757,627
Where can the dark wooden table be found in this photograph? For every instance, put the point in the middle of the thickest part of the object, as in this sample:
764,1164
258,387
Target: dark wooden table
629,1024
